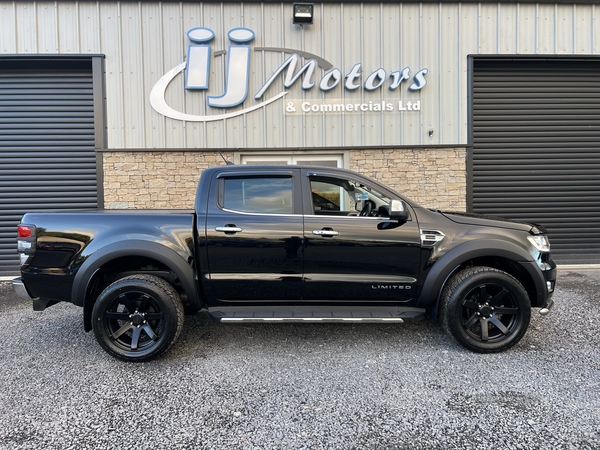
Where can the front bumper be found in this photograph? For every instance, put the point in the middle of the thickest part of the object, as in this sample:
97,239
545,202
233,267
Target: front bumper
550,274
543,276
20,289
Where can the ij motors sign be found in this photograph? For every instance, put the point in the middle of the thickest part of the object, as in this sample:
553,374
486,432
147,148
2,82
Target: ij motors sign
310,70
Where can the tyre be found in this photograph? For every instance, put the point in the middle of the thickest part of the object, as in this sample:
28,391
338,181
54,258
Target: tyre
485,310
137,318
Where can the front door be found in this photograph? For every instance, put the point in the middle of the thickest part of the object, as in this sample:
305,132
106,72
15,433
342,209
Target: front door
352,250
254,237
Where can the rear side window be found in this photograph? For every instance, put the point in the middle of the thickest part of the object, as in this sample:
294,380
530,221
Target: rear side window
271,195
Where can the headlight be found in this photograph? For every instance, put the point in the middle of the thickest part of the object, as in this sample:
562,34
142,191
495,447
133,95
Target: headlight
540,242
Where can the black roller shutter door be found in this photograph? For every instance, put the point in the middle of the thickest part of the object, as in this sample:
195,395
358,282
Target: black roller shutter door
536,148
47,146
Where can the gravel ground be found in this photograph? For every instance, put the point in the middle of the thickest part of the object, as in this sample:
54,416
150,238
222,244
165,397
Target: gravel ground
296,386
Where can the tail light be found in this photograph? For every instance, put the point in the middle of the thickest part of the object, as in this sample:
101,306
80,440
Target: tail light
26,235
25,231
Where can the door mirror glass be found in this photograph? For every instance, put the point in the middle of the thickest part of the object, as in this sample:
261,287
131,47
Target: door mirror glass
397,210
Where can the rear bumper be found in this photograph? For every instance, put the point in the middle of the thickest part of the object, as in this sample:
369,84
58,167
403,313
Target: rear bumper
20,289
39,304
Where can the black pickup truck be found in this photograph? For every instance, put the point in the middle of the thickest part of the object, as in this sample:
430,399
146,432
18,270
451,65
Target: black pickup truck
287,243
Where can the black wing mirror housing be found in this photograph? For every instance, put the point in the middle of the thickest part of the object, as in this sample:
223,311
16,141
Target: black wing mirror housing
398,210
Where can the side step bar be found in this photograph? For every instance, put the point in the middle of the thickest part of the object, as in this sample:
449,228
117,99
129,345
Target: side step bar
315,314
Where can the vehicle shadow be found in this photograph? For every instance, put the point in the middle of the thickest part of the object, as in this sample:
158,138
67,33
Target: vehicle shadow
201,335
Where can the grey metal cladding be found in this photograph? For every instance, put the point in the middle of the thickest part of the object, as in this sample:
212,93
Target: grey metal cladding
47,147
536,147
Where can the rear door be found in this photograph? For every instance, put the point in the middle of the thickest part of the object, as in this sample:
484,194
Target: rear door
254,236
352,257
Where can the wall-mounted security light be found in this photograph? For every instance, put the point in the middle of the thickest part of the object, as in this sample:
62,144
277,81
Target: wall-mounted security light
303,13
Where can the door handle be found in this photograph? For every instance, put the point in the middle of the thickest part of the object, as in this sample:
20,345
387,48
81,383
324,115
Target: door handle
229,229
325,232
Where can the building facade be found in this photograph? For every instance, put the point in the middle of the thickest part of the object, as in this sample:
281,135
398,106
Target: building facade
489,107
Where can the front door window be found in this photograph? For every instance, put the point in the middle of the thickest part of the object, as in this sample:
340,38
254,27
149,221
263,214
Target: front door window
341,197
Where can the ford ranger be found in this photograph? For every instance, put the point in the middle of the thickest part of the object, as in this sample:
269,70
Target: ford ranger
281,244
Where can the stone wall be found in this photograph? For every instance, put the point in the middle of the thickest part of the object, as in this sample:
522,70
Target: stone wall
435,178
155,180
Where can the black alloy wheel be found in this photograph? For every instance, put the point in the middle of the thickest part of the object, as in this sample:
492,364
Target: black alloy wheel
137,318
485,310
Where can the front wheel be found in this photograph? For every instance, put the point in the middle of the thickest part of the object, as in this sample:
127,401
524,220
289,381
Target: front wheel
485,310
137,317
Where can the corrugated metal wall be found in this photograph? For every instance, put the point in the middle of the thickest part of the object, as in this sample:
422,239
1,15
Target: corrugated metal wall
144,40
47,151
536,148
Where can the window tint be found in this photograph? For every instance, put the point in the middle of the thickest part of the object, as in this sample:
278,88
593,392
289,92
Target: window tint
259,195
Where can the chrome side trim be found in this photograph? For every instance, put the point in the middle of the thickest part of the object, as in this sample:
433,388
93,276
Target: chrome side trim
318,216
359,278
258,276
242,213
311,319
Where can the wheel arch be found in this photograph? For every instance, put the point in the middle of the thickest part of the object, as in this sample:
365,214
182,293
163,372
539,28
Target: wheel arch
498,254
112,260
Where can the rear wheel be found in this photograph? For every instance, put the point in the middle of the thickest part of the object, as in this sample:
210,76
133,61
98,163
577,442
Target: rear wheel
485,310
137,318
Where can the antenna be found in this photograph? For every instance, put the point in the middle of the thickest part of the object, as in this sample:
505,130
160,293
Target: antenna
227,162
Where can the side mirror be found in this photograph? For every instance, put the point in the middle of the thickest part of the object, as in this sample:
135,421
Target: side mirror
398,211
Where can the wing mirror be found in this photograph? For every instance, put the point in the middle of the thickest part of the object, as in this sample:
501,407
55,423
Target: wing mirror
398,211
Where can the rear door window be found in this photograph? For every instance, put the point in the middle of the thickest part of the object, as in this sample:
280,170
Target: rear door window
267,195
